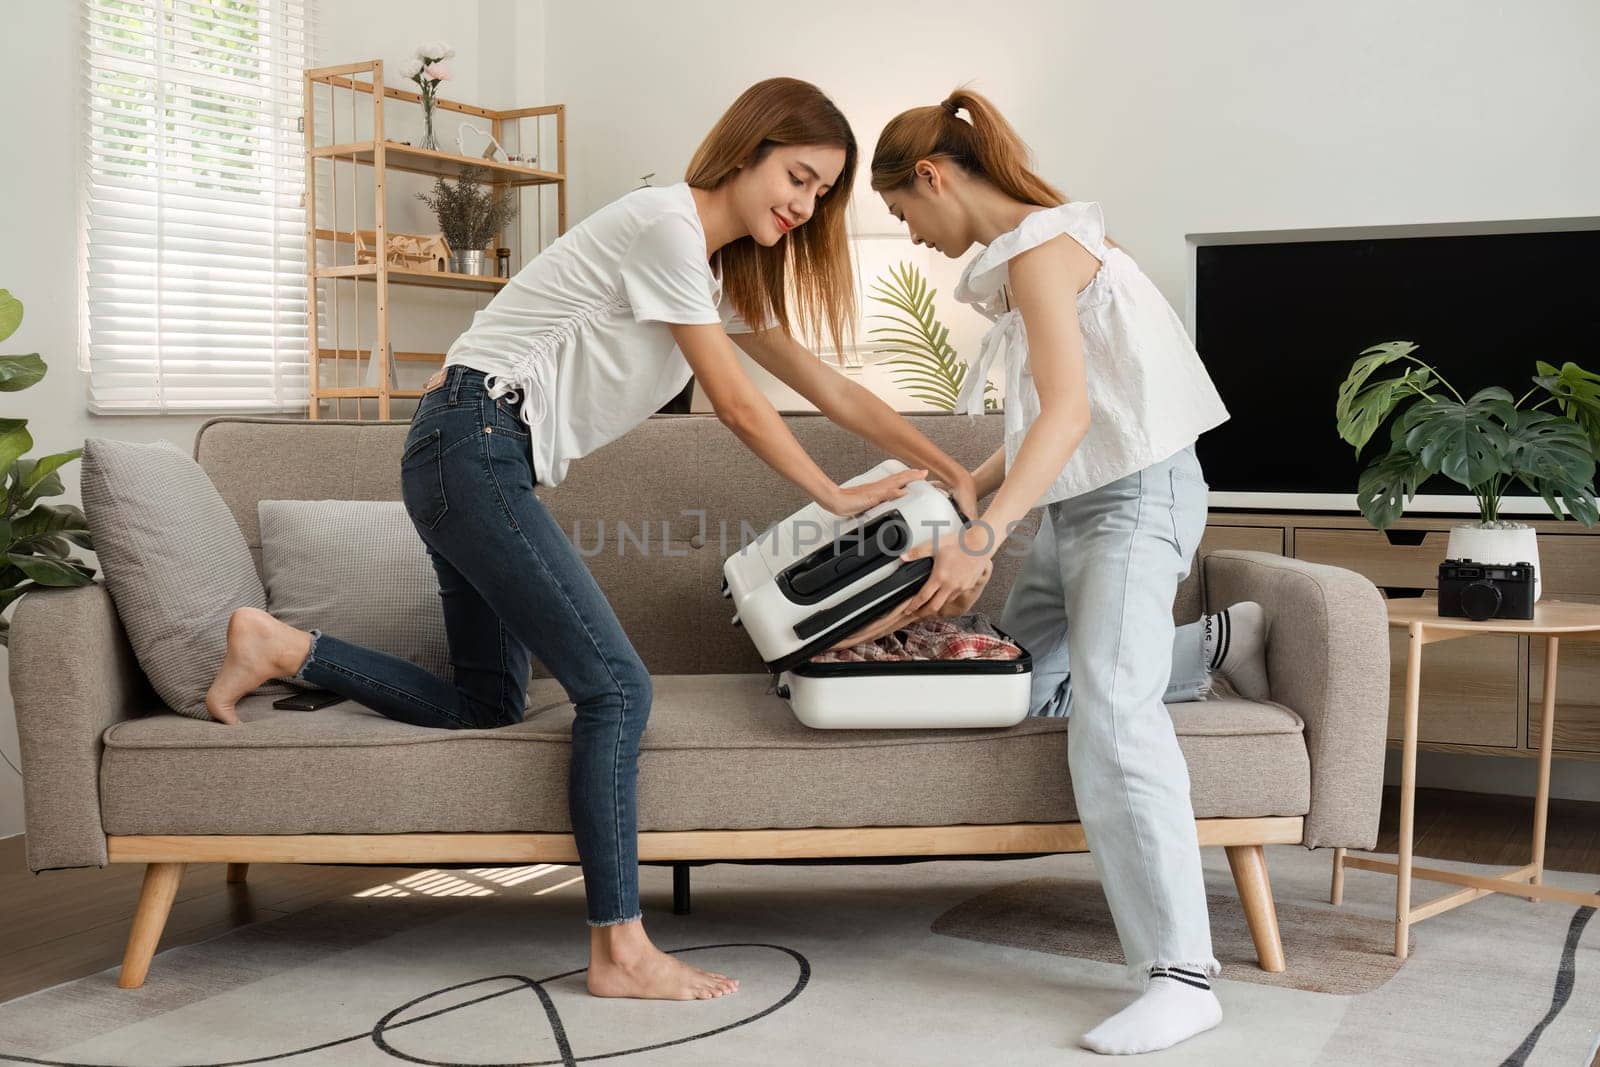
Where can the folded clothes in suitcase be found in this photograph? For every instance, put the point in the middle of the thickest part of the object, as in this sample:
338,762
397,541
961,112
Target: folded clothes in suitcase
964,637
814,578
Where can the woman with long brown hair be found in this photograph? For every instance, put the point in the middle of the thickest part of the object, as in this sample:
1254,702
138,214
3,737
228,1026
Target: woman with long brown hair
589,339
1105,396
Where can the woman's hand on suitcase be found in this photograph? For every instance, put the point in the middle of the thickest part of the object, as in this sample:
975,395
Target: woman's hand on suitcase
966,571
962,603
847,502
961,569
965,494
898,619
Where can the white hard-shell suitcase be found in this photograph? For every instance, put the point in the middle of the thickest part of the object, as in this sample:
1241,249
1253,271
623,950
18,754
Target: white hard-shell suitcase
815,578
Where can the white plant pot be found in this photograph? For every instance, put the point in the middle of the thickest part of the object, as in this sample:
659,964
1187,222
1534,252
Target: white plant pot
1499,544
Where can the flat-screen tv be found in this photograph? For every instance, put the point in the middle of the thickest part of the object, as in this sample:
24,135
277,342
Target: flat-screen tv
1279,317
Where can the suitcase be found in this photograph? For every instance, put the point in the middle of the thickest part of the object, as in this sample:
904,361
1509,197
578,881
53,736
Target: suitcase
814,578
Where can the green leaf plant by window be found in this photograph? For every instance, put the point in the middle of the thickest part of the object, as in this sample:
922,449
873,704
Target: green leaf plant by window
37,538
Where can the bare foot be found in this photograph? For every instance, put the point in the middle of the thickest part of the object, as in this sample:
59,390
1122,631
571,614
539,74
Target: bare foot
623,963
260,648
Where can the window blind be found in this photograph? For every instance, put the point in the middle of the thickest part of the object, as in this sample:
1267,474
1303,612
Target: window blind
193,221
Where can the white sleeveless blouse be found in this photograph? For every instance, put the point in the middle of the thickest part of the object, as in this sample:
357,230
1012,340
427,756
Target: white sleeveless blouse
1149,394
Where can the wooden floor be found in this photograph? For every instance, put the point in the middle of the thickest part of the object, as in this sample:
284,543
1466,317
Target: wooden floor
1497,830
62,925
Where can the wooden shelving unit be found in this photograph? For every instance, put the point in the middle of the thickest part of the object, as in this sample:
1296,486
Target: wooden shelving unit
330,251
414,160
438,279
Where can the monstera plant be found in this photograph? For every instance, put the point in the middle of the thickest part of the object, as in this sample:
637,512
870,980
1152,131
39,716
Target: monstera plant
925,363
37,538
1485,442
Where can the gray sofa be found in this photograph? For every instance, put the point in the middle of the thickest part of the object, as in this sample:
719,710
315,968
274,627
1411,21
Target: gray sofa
726,772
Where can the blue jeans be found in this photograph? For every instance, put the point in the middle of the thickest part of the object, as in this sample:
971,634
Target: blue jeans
512,586
1093,603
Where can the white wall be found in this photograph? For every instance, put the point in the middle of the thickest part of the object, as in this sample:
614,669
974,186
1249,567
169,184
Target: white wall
1178,117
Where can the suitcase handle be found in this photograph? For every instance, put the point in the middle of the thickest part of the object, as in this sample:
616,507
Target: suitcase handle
893,591
847,558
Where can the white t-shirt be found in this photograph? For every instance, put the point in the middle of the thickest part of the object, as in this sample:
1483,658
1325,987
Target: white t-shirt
581,331
1149,394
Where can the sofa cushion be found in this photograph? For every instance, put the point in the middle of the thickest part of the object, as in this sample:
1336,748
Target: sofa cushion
355,569
176,564
720,752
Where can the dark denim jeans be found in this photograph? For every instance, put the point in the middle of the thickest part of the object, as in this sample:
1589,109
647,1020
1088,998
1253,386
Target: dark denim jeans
512,584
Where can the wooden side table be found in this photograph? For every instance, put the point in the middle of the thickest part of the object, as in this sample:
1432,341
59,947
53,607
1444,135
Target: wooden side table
1552,620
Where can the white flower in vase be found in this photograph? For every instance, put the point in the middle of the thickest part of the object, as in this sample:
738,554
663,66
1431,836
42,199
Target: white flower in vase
427,69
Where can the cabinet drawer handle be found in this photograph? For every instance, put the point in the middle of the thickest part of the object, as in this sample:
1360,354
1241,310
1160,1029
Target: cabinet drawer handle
1408,538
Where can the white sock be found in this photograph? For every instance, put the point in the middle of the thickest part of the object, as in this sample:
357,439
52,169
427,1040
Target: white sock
1236,647
1178,1005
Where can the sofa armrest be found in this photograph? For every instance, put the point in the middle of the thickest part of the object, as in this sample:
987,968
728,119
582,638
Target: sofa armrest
73,674
1328,660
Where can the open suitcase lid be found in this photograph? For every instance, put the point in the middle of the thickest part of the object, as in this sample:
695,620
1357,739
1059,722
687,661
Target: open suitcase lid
825,628
872,549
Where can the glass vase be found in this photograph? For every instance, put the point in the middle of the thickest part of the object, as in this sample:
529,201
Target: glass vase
428,140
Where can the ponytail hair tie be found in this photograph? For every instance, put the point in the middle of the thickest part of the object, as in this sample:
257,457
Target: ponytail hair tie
951,107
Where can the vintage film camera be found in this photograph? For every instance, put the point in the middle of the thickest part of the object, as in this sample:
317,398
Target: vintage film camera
1469,590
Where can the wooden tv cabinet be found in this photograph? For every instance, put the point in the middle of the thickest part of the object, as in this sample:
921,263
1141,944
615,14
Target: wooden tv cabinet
1476,692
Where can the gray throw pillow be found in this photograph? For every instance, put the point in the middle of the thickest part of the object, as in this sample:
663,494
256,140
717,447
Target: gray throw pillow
176,564
355,569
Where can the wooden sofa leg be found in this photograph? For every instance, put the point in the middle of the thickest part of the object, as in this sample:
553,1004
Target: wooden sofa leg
155,904
236,873
1249,864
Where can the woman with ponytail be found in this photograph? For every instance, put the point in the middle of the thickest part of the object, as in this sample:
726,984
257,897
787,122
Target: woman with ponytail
590,338
1104,398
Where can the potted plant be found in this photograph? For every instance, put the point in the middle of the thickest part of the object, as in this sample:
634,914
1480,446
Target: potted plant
37,538
1486,442
926,364
470,215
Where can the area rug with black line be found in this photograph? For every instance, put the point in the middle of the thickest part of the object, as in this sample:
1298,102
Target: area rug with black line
925,963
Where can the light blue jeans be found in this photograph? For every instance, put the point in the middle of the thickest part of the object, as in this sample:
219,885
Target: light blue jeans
1093,604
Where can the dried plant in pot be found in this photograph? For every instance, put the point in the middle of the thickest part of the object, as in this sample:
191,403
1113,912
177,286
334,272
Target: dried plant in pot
471,214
